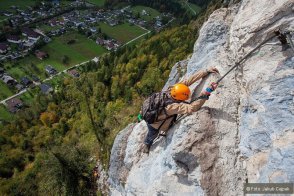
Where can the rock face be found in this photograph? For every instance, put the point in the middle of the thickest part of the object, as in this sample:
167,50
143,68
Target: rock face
244,132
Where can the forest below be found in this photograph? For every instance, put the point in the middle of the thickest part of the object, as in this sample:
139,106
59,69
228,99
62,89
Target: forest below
53,146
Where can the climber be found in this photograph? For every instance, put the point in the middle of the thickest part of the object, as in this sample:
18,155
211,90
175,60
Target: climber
160,109
283,39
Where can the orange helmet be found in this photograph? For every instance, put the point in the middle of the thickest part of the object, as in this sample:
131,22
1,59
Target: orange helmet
180,92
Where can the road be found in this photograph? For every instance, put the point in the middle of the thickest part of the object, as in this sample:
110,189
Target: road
64,71
168,22
3,19
15,95
190,7
136,38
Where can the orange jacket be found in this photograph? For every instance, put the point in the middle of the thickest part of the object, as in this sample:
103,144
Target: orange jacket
180,108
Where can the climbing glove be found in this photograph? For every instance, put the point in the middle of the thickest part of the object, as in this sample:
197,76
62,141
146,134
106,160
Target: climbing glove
206,93
212,70
139,117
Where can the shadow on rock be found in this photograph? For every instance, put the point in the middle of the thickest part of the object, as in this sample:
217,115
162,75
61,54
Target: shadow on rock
198,146
221,114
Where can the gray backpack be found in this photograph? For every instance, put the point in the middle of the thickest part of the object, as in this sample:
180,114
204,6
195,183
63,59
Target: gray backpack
154,105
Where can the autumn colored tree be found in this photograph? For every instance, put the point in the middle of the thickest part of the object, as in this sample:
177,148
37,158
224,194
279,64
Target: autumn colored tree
48,118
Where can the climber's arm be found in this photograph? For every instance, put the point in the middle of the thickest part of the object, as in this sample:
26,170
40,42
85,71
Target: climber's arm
184,108
198,75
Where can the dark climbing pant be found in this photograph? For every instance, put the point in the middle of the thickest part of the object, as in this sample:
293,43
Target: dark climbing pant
151,135
285,47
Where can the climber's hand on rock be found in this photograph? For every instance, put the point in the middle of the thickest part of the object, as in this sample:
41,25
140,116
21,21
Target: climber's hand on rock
209,89
212,70
213,85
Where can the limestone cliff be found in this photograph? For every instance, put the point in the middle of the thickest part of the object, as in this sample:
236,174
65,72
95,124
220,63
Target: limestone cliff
244,133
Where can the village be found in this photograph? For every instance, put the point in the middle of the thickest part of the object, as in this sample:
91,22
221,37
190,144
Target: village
84,21
95,24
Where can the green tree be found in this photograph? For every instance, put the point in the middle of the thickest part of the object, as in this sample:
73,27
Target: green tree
66,171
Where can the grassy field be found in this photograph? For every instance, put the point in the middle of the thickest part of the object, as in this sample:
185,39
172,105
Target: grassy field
82,50
152,12
22,4
23,67
2,18
195,7
28,97
46,28
123,32
86,48
97,2
192,8
5,91
5,114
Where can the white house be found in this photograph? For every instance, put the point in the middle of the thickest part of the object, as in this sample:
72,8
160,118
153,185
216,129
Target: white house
93,30
13,39
34,36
